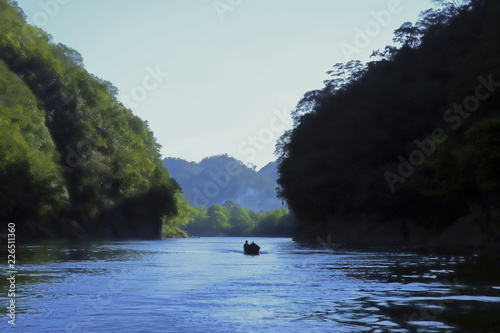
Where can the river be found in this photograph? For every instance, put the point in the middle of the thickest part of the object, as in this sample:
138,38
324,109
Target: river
209,285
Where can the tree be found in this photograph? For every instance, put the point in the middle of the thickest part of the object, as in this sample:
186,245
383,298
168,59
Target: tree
349,134
84,158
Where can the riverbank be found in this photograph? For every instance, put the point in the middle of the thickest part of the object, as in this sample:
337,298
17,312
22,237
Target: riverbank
473,231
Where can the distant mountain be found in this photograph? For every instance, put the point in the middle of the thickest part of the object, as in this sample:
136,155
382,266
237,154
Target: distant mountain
220,178
270,170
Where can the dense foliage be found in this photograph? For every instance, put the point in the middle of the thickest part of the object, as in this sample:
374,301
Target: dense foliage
231,219
224,197
74,162
412,135
221,178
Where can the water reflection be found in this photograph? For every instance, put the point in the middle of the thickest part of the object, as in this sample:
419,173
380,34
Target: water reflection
209,285
57,262
45,252
422,292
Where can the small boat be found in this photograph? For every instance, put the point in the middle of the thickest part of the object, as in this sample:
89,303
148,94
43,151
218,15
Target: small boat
251,249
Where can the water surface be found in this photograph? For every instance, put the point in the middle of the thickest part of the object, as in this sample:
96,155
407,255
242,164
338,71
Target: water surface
209,285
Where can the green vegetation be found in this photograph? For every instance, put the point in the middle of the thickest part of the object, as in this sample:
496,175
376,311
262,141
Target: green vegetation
74,162
225,185
410,139
231,219
412,136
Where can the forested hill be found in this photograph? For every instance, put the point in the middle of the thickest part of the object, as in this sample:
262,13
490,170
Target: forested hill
405,149
74,162
218,179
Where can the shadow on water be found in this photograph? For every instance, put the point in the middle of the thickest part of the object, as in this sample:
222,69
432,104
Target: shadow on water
425,291
41,262
415,291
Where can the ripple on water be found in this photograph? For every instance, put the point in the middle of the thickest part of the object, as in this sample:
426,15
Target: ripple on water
208,285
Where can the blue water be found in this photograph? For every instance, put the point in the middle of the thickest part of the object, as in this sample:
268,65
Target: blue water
209,285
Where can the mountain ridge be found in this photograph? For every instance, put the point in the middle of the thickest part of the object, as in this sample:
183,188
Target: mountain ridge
220,178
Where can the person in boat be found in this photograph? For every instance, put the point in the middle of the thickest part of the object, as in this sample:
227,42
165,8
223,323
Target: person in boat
251,248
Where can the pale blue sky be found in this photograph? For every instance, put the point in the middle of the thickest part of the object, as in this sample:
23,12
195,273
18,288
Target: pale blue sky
221,76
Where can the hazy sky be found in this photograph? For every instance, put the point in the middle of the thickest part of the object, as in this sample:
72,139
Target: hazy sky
219,76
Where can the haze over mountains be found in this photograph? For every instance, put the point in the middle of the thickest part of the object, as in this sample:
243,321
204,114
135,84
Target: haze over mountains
217,179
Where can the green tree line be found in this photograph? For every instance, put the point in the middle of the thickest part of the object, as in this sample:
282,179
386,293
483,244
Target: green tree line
231,219
413,134
74,162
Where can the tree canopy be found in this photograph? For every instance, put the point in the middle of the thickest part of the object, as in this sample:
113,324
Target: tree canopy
231,219
413,134
74,162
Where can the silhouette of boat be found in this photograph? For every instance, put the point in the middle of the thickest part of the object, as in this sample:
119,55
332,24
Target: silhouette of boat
251,249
